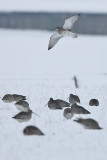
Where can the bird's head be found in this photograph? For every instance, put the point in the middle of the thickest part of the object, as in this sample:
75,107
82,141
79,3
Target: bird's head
57,28
51,99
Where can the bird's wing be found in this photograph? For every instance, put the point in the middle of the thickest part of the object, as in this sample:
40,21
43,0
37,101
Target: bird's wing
70,22
53,40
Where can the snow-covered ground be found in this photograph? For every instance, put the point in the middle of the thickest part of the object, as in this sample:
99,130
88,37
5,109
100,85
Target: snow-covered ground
27,52
28,68
54,5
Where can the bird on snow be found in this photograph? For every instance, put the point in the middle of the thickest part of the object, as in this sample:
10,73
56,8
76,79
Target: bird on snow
18,97
53,104
62,103
57,104
65,31
68,114
88,123
22,106
74,99
8,98
32,130
23,116
76,109
94,102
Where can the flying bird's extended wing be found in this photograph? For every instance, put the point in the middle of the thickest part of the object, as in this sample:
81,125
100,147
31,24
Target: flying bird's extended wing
68,25
53,40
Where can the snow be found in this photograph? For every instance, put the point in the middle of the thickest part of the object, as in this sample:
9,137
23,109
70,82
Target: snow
63,138
54,5
28,68
26,52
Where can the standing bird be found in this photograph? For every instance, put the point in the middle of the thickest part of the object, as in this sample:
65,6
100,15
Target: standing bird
32,130
68,114
88,123
22,106
74,99
76,109
23,116
65,31
94,102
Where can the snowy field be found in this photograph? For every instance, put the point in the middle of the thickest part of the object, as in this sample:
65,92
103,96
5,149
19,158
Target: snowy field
54,5
28,68
27,52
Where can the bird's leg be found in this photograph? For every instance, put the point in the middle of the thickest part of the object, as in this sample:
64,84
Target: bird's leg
46,105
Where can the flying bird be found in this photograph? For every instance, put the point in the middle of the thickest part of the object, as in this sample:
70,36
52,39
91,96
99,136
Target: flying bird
65,31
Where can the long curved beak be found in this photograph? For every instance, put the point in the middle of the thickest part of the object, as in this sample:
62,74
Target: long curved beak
67,98
35,114
46,104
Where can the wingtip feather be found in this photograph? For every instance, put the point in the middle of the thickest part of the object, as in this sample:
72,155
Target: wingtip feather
49,48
